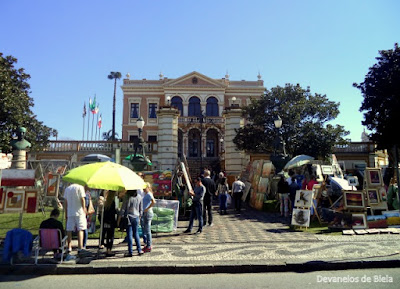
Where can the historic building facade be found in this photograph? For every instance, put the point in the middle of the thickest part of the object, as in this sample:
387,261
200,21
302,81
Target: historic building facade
201,104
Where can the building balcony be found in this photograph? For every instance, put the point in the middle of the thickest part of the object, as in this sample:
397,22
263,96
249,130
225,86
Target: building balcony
95,146
206,120
355,147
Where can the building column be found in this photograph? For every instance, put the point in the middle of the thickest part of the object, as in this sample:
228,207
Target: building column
235,160
167,137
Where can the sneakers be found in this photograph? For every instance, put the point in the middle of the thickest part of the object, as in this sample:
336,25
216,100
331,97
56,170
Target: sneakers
84,253
210,225
198,232
70,257
140,253
147,249
187,231
127,255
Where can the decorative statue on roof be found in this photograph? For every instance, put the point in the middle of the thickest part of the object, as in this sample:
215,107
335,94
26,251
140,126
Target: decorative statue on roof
20,143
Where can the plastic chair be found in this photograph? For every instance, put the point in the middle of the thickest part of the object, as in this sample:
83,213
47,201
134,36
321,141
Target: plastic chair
48,240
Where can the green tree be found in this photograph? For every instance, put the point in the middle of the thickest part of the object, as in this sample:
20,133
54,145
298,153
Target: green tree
15,107
381,92
114,75
305,118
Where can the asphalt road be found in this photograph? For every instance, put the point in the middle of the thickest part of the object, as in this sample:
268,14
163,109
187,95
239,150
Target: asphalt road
370,278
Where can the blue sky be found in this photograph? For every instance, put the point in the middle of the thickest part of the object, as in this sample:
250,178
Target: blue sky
69,48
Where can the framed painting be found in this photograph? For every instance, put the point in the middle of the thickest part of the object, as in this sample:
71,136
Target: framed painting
353,181
2,198
374,177
373,196
358,221
327,170
14,200
53,183
353,199
30,201
316,191
301,217
303,199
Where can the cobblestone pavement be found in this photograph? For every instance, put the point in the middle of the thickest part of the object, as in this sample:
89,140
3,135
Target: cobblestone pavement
236,243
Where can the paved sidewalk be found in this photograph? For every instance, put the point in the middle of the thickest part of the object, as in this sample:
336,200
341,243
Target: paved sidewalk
251,242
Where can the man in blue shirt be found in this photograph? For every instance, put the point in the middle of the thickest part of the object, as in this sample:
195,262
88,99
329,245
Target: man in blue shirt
197,206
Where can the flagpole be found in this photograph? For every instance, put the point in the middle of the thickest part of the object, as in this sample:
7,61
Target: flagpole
92,124
83,116
88,120
95,135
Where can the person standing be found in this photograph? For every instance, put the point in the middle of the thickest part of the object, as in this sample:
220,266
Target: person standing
148,203
283,191
311,183
132,207
223,190
75,207
198,195
293,187
85,232
209,184
109,222
237,189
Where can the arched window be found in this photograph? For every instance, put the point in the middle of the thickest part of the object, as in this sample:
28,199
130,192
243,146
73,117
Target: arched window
194,106
176,102
212,107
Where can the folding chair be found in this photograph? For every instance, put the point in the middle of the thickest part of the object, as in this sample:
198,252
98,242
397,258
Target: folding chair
48,240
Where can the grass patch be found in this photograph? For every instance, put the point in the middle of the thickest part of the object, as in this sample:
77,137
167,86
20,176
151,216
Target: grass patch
316,228
31,222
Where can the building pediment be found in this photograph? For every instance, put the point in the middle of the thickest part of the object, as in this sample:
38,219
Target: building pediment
194,79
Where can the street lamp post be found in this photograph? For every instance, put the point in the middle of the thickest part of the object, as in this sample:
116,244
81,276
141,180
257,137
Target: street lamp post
114,75
279,157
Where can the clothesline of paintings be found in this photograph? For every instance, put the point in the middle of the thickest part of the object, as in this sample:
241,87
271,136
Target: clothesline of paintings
13,200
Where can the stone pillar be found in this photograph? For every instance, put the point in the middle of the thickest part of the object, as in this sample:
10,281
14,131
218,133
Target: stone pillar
19,160
235,160
167,137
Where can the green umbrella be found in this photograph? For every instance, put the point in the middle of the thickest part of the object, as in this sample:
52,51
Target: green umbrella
106,176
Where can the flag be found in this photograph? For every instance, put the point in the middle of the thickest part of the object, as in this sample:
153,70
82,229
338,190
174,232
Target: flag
99,122
96,110
92,105
84,109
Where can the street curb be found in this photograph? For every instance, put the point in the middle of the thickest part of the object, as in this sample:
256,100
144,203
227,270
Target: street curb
193,269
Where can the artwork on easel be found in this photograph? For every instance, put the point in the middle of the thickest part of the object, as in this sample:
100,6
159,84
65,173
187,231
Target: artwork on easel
31,201
303,199
358,221
14,201
2,198
374,177
353,200
52,187
353,181
373,196
301,217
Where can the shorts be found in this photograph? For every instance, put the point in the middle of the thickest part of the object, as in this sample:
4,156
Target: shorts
76,223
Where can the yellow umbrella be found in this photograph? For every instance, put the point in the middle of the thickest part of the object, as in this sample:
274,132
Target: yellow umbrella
106,176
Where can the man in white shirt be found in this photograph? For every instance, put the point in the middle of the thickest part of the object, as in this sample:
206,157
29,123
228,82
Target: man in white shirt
238,189
75,207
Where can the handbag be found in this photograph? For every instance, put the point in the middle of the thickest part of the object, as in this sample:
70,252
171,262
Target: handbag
91,209
123,223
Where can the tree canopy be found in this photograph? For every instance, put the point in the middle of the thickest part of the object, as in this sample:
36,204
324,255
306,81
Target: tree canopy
305,118
381,92
15,107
